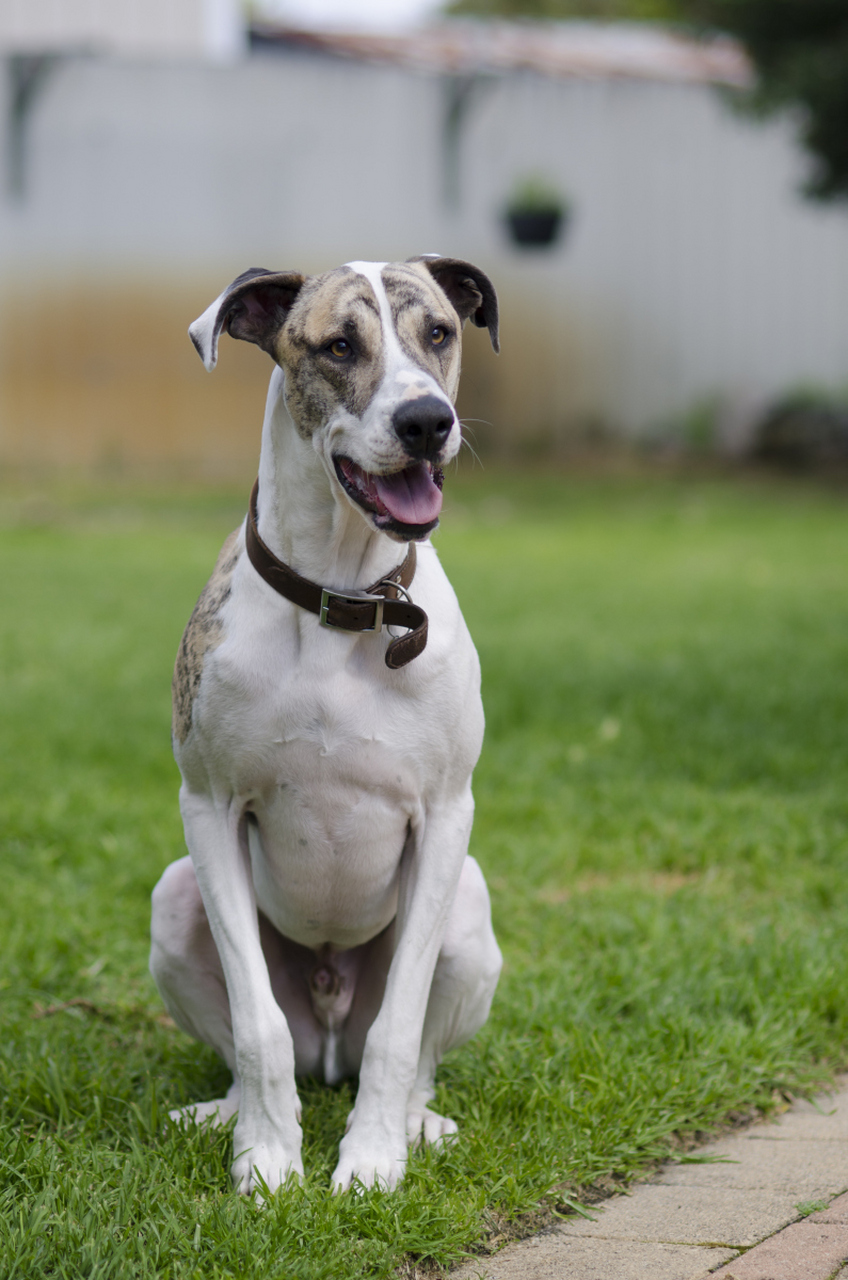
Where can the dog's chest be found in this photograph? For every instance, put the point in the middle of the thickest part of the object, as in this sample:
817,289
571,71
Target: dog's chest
334,758
333,772
327,836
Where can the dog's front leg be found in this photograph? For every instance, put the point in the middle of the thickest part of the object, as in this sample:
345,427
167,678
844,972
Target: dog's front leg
375,1145
267,1135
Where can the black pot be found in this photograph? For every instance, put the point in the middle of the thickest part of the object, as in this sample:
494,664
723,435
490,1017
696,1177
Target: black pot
534,228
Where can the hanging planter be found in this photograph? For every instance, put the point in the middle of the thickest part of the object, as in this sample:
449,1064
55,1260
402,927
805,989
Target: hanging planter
536,216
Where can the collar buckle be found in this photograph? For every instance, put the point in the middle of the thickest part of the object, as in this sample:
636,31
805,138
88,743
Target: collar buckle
360,598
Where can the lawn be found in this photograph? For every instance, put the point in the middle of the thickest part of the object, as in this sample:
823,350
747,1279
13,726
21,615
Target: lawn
661,815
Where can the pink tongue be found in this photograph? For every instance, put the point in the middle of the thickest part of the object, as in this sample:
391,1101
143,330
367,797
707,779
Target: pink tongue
411,496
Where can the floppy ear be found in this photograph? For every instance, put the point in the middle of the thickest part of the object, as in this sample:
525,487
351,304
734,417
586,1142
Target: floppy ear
469,289
253,308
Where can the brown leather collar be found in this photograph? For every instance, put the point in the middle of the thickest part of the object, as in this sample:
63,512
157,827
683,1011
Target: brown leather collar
347,611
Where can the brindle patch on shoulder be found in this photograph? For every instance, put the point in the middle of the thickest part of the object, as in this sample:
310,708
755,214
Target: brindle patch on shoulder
203,633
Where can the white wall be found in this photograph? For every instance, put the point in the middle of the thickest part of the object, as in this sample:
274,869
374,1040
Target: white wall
211,28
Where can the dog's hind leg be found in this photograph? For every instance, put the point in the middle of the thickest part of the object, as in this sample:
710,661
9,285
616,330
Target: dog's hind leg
186,967
461,994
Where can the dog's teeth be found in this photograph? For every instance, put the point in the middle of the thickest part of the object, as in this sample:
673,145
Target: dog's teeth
363,483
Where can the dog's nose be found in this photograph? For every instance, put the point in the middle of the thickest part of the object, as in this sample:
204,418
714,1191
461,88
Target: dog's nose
423,425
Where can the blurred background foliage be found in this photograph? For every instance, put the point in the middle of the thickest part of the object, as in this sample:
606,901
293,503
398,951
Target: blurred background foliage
799,49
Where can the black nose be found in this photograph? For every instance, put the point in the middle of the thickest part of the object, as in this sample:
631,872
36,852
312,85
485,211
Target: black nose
423,425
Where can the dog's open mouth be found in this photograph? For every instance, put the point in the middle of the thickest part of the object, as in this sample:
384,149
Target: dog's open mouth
406,503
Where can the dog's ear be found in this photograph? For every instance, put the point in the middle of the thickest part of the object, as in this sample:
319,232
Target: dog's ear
469,289
253,308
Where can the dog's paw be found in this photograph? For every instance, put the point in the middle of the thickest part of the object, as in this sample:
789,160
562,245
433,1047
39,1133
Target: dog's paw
428,1127
264,1168
368,1165
264,1162
214,1113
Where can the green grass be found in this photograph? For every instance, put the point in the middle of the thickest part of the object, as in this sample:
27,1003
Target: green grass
661,814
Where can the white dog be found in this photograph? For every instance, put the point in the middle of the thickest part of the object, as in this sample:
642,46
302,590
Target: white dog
329,921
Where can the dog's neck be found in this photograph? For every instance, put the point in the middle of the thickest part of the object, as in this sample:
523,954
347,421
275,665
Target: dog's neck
301,518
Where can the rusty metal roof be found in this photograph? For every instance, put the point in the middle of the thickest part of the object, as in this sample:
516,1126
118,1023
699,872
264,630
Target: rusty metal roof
581,49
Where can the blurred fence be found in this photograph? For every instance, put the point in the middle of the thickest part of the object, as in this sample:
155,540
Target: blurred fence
136,188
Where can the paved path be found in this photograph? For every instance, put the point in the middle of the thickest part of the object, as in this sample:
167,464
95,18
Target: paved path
734,1220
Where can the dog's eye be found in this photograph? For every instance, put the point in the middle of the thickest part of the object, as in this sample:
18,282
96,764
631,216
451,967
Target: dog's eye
340,349
438,334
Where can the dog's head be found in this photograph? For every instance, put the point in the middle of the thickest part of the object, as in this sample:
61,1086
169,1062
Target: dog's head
371,353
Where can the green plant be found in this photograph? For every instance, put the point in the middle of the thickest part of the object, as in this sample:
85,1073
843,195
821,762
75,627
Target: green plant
806,1207
805,429
694,431
534,194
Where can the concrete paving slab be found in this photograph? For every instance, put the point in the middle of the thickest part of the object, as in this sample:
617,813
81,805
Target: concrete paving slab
805,1169
804,1251
688,1215
824,1119
553,1257
837,1211
691,1219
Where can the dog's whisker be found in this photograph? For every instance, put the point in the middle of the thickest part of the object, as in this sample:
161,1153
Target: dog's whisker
475,455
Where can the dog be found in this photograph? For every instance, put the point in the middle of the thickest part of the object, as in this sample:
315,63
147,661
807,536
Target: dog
329,921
